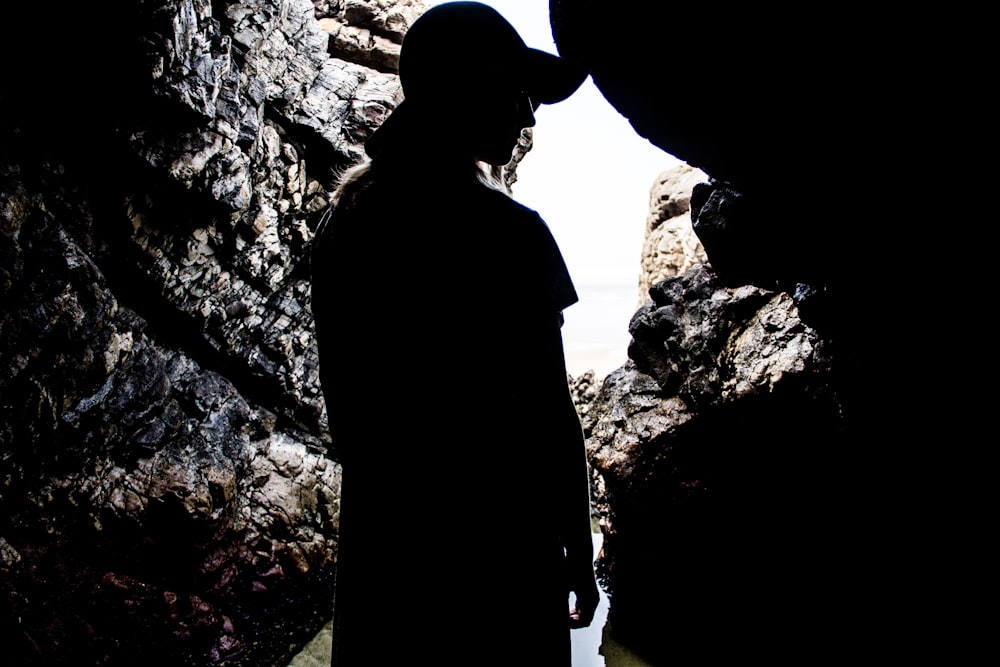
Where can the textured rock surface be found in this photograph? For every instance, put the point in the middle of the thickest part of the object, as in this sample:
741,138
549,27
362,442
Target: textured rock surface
704,449
670,246
366,32
168,495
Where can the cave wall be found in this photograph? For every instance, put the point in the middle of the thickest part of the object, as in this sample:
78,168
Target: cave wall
169,492
714,460
829,137
167,486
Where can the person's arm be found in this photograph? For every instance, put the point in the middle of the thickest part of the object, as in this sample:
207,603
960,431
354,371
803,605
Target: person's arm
575,505
570,465
579,542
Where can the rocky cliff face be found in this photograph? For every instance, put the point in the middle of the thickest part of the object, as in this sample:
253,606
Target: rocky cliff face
170,493
704,449
168,496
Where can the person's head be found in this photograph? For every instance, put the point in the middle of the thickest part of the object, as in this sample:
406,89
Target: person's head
466,72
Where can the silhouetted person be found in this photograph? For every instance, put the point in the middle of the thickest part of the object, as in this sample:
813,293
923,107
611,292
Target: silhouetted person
465,511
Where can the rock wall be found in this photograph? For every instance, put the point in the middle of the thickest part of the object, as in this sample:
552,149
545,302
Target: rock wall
827,494
170,495
704,447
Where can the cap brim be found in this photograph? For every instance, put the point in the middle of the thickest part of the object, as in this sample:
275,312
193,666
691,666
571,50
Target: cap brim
550,78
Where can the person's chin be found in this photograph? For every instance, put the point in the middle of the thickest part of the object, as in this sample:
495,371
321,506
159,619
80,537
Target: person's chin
502,158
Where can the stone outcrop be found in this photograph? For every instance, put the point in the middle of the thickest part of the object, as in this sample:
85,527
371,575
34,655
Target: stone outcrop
812,512
746,118
670,246
704,449
366,32
170,490
170,495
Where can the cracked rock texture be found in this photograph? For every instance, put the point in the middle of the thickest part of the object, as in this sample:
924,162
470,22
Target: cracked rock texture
670,246
169,492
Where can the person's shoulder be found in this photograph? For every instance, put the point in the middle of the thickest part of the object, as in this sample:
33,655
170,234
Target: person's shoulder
508,206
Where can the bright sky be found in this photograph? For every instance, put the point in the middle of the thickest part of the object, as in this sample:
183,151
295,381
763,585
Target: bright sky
588,175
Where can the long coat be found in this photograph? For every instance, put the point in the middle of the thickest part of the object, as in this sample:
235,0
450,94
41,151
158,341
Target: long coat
438,304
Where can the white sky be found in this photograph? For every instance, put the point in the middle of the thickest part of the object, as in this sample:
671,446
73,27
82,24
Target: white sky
588,175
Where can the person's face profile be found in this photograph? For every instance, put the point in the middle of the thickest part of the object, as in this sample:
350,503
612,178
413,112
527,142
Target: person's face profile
498,114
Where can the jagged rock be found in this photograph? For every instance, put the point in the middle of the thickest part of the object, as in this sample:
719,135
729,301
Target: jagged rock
368,32
170,494
704,449
747,366
169,491
361,46
583,390
670,246
161,394
390,18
